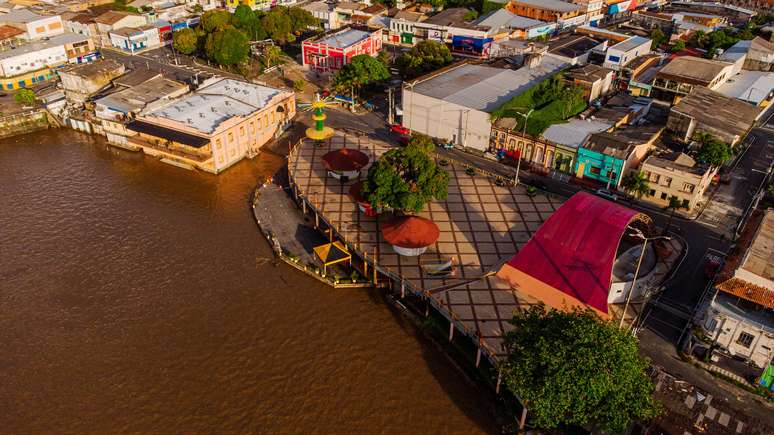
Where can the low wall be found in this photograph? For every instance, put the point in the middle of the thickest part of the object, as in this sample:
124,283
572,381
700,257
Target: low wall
24,122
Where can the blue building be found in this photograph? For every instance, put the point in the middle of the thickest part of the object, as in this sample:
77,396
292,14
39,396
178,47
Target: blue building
607,156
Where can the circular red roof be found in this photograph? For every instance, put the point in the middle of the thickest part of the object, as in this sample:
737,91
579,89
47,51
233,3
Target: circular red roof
410,232
345,159
356,192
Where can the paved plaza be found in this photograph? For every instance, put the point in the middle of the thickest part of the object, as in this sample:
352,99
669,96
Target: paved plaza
482,225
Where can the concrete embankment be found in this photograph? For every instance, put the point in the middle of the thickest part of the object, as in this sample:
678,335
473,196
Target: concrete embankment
24,122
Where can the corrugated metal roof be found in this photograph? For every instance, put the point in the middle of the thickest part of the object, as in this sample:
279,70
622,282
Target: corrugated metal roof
344,39
574,132
486,88
751,86
631,43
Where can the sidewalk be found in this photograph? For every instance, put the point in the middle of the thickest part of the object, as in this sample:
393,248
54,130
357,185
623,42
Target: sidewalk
750,409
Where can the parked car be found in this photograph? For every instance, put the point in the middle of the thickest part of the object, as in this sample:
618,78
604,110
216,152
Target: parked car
399,129
604,193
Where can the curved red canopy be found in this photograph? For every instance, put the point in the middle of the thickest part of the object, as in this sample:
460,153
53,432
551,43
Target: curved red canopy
410,232
345,159
569,260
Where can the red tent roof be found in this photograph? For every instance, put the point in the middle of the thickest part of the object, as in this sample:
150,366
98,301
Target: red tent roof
410,232
569,260
345,159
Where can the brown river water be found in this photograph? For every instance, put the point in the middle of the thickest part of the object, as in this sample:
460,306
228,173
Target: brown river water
136,296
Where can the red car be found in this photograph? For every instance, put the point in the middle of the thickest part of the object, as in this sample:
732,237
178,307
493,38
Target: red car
399,129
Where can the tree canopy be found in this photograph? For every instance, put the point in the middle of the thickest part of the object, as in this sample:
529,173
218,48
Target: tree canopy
424,57
658,37
24,96
407,178
219,31
186,41
215,20
227,47
636,183
572,369
713,151
360,71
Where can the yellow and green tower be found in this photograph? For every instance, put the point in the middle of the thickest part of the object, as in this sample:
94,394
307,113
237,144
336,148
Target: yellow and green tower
319,132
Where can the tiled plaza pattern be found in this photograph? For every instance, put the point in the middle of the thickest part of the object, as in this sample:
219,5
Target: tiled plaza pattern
481,226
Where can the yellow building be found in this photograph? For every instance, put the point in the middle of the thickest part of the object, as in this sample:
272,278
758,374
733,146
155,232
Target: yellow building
216,126
544,10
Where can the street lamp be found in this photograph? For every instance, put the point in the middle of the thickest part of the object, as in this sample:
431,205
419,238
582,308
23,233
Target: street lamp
524,137
639,234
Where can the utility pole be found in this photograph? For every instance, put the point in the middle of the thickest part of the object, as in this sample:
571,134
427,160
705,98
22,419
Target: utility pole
639,234
390,119
524,137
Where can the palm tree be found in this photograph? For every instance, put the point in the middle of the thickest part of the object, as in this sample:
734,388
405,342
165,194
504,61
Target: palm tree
674,204
636,184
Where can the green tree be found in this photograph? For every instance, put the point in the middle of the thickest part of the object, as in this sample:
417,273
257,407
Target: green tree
423,57
677,46
360,71
407,178
299,85
301,19
571,368
673,205
636,183
227,47
215,20
25,97
471,15
713,151
271,55
185,41
197,9
571,96
278,26
658,37
243,17
384,57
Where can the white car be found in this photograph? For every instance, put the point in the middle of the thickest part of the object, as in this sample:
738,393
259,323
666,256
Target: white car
604,193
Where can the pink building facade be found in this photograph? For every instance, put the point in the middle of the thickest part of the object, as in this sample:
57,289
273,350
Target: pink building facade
328,53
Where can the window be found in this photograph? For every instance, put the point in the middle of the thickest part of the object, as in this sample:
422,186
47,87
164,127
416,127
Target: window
595,170
688,187
252,127
663,196
745,339
652,192
230,137
711,324
667,182
218,144
686,203
241,130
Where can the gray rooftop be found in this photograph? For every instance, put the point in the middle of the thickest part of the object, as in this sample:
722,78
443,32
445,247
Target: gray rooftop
751,86
631,43
210,106
64,38
137,97
574,132
485,88
344,38
552,5
21,16
736,51
502,18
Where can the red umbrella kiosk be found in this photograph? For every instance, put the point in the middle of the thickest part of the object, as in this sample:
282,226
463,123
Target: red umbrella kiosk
410,235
